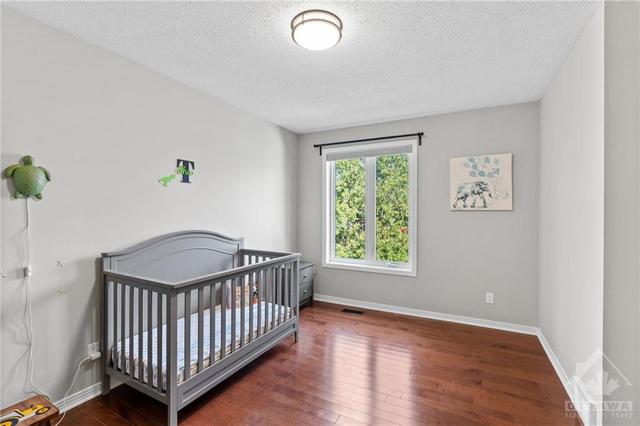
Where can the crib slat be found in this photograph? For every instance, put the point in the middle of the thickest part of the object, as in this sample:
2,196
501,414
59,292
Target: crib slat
269,298
292,300
273,297
260,285
265,298
285,295
123,323
233,313
252,281
251,285
200,329
140,335
212,323
131,362
280,281
187,334
149,337
159,373
115,322
223,319
289,291
242,314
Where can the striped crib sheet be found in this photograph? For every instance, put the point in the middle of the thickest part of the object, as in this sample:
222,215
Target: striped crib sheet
266,324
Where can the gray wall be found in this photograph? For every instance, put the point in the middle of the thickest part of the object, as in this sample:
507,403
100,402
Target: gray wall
107,129
622,198
461,255
572,202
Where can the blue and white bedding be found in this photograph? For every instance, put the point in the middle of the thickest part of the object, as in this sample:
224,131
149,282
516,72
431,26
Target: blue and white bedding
265,325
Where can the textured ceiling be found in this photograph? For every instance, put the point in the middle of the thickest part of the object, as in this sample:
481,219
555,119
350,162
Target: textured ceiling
395,60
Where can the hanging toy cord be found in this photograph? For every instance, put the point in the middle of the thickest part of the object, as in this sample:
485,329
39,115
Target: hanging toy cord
29,324
27,277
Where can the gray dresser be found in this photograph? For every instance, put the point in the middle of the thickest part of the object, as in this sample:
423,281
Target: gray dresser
306,283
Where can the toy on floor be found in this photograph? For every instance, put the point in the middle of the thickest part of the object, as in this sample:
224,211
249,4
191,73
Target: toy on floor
28,180
34,411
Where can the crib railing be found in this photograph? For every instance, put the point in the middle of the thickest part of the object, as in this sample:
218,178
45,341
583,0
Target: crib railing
139,309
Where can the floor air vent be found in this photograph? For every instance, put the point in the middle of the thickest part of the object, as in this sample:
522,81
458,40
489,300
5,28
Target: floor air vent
352,311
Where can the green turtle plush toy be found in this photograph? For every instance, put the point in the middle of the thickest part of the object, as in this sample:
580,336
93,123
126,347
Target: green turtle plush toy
28,180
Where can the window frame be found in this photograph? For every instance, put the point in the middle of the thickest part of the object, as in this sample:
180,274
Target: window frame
370,263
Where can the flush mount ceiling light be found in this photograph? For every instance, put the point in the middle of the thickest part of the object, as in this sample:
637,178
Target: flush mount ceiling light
316,29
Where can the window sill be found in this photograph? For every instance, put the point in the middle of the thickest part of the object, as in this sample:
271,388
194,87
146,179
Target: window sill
370,268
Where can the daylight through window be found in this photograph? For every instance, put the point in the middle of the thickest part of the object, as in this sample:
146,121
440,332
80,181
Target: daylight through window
370,196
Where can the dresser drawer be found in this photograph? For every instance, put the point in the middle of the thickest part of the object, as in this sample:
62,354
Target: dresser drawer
306,291
306,275
305,283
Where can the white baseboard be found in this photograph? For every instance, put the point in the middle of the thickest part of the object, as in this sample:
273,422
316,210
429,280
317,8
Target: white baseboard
577,398
84,395
562,375
498,325
79,397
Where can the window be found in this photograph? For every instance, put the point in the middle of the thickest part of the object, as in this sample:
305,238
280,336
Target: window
370,207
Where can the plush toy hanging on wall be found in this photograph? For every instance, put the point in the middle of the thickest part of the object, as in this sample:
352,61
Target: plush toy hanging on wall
28,180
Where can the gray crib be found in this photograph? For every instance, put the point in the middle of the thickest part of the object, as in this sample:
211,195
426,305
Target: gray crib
184,311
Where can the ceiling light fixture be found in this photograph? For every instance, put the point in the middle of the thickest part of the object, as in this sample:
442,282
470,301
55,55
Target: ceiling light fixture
316,29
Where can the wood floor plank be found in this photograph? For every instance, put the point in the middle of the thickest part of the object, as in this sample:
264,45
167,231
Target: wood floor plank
370,369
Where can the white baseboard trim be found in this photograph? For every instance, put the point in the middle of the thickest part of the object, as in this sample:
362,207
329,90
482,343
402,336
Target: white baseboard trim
562,375
84,395
498,325
79,397
577,398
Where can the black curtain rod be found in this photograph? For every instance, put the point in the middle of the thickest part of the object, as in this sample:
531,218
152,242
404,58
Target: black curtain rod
419,135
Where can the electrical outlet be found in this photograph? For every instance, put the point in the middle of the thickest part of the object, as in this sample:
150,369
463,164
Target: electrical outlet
93,350
488,298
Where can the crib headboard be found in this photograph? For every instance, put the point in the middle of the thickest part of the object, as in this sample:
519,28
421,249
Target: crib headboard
176,257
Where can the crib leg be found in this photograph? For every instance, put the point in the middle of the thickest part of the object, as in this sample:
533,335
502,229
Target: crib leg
172,415
295,336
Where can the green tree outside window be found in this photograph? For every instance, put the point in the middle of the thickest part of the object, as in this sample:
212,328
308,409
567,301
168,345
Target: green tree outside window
350,208
392,208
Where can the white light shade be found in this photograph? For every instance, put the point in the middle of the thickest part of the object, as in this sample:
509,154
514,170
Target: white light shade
316,29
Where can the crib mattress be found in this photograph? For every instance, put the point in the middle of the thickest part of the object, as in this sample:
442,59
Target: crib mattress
266,308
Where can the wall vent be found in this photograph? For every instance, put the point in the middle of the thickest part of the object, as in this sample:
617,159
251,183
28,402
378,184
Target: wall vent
352,311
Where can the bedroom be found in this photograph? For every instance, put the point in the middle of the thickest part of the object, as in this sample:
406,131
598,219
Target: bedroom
487,300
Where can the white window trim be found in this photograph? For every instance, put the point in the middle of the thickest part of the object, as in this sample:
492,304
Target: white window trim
408,269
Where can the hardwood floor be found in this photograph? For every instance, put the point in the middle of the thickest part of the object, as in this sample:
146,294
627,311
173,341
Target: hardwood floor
376,368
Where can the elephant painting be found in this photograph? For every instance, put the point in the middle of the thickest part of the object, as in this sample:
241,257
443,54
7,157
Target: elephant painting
472,191
481,182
